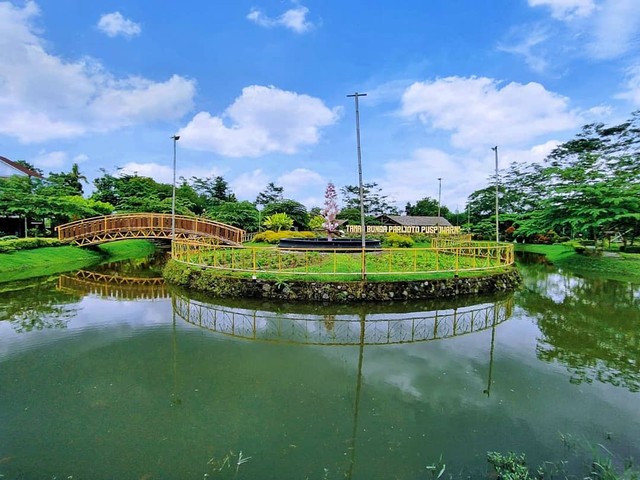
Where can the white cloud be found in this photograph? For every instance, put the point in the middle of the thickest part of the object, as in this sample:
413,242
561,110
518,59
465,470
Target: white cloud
249,184
300,179
294,19
480,111
615,29
50,160
45,97
262,120
80,158
164,173
527,47
114,24
632,87
566,9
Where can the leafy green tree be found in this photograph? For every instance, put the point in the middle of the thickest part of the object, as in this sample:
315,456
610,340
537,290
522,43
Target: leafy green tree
278,222
427,207
239,214
272,194
213,191
71,181
375,203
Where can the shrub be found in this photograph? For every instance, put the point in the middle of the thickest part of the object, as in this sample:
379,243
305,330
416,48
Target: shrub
630,248
395,240
273,238
28,244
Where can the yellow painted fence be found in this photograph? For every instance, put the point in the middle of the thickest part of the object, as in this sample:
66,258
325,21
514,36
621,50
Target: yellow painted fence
332,262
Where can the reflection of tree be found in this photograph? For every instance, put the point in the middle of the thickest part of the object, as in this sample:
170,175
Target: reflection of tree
36,305
591,325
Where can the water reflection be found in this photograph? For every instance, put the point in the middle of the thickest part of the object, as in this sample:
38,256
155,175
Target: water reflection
589,324
36,305
327,327
86,282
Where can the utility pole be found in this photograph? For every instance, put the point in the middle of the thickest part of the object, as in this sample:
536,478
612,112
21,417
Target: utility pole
357,95
439,195
495,149
175,139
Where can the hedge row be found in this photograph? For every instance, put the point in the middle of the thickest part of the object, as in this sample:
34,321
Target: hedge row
15,244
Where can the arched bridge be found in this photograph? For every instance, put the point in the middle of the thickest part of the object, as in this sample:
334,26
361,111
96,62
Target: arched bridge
91,231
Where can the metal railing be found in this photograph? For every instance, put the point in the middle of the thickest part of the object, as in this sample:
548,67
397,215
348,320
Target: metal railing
90,231
334,262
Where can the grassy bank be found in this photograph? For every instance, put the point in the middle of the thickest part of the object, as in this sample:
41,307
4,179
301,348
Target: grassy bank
615,266
40,262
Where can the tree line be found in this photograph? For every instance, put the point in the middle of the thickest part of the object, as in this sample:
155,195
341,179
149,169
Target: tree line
588,186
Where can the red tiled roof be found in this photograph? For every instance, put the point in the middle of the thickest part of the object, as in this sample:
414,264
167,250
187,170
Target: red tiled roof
20,168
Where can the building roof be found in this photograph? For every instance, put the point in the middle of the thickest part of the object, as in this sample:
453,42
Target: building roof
19,169
409,221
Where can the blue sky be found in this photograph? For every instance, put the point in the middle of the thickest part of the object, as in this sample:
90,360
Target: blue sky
257,89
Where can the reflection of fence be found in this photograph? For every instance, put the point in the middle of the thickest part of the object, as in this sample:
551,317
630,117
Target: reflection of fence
342,329
90,231
113,286
454,259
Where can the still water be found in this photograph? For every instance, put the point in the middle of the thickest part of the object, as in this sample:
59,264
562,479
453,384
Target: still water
109,378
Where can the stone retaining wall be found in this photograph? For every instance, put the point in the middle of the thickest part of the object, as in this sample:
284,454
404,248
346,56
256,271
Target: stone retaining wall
210,281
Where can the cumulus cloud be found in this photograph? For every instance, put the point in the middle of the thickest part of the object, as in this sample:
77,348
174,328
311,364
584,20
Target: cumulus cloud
300,179
481,111
247,185
114,24
566,9
50,160
45,97
260,121
294,19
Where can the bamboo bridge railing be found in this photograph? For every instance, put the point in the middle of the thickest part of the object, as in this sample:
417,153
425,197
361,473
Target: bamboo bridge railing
92,231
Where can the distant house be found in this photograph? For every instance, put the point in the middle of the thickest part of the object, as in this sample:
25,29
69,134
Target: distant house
12,224
409,221
9,168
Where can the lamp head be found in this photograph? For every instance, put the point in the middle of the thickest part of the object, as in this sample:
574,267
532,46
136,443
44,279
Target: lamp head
176,137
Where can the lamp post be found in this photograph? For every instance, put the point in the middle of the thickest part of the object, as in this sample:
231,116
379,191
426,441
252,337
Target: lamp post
439,195
495,149
357,95
173,193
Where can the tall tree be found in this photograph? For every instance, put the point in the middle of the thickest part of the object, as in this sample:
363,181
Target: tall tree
427,207
374,202
271,194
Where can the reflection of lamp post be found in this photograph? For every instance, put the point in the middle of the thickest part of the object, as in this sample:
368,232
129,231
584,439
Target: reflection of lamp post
173,192
495,149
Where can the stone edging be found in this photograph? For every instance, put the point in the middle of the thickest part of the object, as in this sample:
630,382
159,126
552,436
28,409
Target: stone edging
210,281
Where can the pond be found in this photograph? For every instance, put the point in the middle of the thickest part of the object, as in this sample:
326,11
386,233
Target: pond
102,378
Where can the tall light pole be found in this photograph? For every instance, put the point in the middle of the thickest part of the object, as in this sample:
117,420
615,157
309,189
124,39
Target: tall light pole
495,149
439,195
173,193
362,227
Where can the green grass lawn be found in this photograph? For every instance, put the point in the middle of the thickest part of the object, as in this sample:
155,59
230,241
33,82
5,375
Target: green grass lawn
45,261
620,266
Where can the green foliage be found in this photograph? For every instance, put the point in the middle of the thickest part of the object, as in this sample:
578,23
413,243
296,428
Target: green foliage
294,210
395,240
316,222
271,194
509,467
239,214
427,207
375,203
278,221
273,238
28,244
630,248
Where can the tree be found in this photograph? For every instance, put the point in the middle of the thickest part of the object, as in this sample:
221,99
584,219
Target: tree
213,191
271,194
239,214
375,203
427,207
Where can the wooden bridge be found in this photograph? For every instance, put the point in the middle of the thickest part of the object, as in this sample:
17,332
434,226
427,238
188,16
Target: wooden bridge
91,231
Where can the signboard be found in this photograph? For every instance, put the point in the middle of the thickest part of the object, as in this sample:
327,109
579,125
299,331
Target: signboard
426,229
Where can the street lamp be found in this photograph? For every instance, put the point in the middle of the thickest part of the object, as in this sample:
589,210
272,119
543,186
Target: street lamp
361,194
356,95
173,193
439,195
495,149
